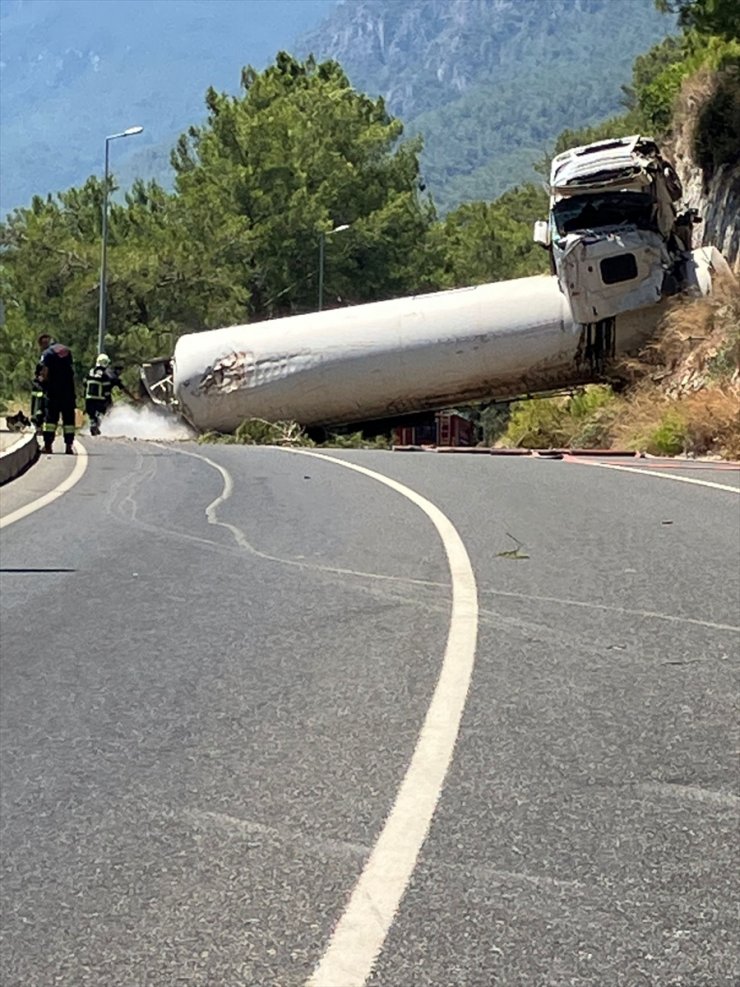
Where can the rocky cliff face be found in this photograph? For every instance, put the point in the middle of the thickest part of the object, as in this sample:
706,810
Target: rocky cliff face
416,52
718,204
705,150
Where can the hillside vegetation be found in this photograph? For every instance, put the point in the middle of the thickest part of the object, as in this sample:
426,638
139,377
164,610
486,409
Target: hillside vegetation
297,153
683,391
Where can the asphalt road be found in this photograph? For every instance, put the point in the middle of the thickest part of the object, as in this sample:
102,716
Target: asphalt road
213,682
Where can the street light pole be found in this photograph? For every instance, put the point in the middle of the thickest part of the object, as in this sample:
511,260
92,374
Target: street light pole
322,241
130,132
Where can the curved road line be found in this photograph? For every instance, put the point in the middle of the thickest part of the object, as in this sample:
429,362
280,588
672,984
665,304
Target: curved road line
367,918
364,925
658,476
74,477
362,929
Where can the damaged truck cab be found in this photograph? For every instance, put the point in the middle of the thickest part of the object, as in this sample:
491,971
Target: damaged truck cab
616,238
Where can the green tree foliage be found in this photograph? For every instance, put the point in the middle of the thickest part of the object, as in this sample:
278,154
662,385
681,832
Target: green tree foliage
488,241
650,98
50,277
299,153
51,265
710,40
720,17
17,345
660,73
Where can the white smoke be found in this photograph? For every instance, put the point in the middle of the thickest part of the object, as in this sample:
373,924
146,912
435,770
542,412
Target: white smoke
129,422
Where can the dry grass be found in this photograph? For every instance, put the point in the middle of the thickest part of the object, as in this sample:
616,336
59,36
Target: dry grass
257,431
694,333
705,422
687,398
690,335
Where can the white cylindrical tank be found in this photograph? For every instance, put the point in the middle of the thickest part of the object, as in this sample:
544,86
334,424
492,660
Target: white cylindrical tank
390,358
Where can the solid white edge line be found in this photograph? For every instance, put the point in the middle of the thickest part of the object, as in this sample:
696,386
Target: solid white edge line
74,477
362,928
659,476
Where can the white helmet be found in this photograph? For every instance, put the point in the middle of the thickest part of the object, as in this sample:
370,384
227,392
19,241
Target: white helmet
102,360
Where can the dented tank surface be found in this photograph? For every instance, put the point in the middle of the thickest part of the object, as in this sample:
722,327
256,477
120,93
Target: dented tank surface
395,357
369,361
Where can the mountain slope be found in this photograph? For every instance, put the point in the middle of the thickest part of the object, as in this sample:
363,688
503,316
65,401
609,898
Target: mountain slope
489,83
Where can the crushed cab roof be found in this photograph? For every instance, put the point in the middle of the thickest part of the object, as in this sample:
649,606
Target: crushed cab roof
604,163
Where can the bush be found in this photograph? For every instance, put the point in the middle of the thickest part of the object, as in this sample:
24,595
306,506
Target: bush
581,421
670,438
536,424
258,432
717,129
355,440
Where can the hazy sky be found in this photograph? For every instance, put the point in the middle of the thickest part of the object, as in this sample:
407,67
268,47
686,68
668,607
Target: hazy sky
72,71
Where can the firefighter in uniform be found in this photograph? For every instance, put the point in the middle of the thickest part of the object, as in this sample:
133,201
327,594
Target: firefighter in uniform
38,387
58,382
38,398
99,386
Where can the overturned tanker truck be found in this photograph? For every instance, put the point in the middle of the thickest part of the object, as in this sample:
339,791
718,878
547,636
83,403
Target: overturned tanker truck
618,246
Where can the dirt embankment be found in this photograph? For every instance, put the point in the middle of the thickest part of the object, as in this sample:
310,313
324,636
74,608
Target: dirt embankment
685,395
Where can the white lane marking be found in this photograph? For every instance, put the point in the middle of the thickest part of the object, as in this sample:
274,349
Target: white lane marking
74,477
364,925
659,476
367,918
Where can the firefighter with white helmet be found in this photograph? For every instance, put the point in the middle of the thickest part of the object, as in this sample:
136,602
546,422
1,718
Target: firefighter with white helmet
99,385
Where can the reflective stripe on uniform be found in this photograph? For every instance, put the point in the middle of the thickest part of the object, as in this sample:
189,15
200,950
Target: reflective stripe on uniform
68,429
94,390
